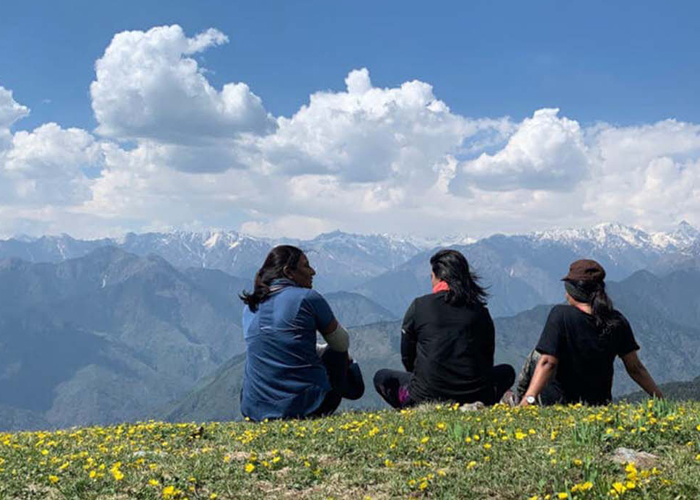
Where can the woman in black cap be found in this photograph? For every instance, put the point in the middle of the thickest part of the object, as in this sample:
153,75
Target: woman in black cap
573,360
447,343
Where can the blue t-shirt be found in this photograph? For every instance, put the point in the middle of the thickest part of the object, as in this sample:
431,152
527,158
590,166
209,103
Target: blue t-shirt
284,377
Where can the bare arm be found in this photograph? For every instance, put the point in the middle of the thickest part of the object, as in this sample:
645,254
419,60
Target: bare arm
636,369
336,336
543,373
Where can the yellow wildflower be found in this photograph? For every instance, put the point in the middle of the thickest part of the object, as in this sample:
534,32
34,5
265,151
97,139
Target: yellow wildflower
619,488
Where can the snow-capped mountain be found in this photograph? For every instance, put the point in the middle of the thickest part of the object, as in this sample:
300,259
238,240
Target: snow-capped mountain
613,235
523,271
522,267
342,260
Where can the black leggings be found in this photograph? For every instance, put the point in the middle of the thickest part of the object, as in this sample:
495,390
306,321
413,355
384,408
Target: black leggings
392,385
345,378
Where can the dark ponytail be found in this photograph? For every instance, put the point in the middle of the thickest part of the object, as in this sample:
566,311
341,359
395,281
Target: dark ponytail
280,258
593,293
452,267
604,314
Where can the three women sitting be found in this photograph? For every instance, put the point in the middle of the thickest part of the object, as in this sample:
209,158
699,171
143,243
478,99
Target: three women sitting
447,344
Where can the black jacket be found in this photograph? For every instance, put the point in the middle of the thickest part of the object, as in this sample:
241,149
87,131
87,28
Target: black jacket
449,349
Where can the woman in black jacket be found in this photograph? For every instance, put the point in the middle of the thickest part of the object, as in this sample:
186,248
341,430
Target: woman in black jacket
447,343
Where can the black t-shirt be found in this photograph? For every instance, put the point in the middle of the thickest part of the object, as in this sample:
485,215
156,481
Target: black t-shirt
449,349
585,368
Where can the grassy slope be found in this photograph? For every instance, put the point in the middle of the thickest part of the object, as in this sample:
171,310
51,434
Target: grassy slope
431,452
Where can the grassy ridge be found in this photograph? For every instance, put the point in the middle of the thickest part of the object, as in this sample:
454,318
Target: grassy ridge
434,451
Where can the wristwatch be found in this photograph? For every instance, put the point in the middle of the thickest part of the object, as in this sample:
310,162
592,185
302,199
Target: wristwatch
530,400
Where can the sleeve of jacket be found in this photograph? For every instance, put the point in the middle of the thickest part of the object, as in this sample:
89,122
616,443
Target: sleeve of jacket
409,338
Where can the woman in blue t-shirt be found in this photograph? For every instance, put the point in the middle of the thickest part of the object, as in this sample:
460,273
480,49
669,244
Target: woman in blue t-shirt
286,374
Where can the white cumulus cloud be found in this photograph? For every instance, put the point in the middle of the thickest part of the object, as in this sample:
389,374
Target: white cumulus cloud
647,175
368,134
148,87
10,112
545,152
47,166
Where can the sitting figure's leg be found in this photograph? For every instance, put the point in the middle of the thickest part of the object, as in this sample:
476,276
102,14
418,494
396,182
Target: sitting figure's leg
344,374
550,395
392,386
503,377
526,374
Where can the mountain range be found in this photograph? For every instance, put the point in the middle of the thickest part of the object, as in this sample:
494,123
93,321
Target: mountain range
512,265
523,271
341,260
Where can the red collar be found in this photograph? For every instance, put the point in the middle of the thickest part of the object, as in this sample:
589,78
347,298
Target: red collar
441,286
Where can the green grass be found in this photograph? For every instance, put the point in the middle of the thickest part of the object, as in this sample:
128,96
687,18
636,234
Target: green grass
434,451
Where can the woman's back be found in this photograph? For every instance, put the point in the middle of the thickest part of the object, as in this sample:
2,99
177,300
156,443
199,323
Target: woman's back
284,375
454,350
585,353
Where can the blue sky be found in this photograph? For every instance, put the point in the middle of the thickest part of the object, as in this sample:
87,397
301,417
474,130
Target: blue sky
625,62
294,118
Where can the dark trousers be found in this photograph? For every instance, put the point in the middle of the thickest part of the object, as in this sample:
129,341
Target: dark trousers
392,386
345,378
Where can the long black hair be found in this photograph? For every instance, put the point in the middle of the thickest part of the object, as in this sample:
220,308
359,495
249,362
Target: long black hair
593,293
452,267
280,258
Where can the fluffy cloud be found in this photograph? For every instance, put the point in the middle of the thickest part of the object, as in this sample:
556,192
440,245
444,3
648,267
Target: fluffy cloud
48,166
647,175
43,172
10,112
546,152
368,134
148,87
